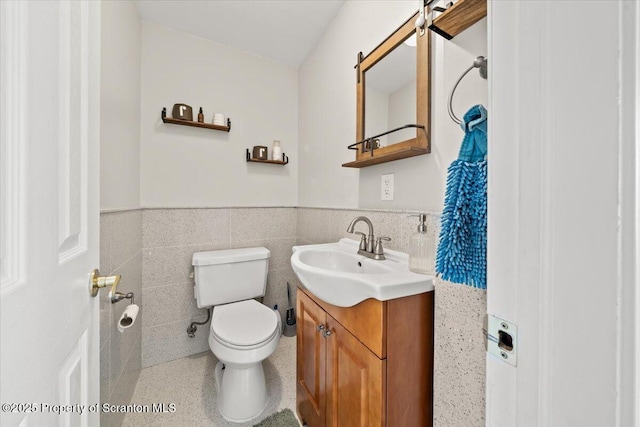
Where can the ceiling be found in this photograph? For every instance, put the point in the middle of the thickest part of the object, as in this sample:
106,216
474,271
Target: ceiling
284,31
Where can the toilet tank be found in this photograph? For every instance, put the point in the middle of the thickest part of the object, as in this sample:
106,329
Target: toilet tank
230,275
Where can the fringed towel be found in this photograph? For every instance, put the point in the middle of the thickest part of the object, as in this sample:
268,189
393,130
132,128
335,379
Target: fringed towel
462,251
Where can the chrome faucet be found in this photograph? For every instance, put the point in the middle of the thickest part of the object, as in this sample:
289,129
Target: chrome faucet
369,245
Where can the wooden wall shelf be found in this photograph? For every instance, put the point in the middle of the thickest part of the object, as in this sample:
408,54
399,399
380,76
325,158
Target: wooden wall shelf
459,17
284,161
396,155
166,119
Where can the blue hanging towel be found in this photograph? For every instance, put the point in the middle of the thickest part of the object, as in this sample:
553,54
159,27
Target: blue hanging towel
462,251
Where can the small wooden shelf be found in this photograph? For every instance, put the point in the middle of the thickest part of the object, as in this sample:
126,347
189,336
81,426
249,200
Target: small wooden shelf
166,119
459,17
396,155
284,161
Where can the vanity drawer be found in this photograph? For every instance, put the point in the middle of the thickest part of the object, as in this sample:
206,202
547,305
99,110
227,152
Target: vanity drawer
366,321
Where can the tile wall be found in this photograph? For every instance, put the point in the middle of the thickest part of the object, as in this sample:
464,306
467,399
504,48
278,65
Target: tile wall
459,377
120,353
152,249
169,239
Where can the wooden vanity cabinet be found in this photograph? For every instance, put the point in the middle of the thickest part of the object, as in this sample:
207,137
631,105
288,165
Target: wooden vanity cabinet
367,365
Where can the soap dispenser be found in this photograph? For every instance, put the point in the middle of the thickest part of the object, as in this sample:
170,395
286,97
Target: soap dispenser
421,251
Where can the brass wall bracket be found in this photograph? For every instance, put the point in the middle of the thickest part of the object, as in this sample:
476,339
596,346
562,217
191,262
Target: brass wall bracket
96,282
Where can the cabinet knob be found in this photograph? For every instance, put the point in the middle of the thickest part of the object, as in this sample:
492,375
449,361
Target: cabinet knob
321,327
326,333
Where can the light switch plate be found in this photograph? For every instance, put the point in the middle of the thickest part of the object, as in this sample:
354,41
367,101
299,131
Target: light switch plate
386,187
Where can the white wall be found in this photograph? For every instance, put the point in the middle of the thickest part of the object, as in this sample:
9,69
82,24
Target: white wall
402,110
191,167
327,112
120,106
384,111
376,113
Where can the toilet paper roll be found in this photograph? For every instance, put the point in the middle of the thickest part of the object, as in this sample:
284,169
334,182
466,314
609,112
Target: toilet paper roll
128,317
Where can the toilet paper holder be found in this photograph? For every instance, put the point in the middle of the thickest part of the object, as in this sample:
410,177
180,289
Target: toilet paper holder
119,296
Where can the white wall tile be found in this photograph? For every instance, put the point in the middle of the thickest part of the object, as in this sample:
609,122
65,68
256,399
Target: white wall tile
317,225
169,304
161,227
105,243
170,265
459,378
459,367
168,238
105,375
170,341
126,236
126,385
204,225
124,344
262,223
178,227
120,245
465,300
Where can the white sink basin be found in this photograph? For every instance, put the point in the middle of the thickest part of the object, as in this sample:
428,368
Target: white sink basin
335,273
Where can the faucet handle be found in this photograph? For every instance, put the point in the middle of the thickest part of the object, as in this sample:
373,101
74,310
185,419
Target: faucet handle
363,240
378,250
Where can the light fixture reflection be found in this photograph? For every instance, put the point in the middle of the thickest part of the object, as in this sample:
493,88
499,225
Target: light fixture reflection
411,41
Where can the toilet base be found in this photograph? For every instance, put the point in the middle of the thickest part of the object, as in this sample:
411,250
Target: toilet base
242,391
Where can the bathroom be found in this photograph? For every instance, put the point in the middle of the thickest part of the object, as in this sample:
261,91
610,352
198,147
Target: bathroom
167,192
310,200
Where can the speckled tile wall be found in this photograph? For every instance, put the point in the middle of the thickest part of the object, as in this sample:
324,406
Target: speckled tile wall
152,248
120,353
171,236
459,366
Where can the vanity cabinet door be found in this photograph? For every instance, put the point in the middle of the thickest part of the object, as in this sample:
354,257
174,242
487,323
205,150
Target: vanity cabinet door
310,362
355,381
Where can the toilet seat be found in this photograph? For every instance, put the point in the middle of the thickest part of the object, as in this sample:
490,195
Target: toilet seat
244,325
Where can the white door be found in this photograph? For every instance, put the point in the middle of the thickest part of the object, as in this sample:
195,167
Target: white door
49,169
564,184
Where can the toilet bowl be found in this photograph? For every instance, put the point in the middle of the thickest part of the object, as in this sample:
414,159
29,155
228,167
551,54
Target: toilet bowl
241,336
243,332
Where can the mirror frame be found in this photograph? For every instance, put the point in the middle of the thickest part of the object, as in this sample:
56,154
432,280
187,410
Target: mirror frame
419,145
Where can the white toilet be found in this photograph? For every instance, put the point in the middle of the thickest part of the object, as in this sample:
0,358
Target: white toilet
243,331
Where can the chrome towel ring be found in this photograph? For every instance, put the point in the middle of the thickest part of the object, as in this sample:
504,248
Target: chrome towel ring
480,63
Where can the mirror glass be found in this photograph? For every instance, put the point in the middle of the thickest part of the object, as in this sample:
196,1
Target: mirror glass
390,100
393,87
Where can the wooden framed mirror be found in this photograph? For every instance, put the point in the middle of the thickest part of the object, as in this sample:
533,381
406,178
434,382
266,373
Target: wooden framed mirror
393,91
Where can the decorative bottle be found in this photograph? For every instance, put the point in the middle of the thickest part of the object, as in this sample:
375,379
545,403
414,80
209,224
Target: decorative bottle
421,250
276,151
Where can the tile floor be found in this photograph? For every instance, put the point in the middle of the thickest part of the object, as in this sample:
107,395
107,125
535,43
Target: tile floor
189,384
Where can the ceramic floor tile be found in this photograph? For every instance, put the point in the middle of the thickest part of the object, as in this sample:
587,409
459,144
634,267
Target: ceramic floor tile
189,384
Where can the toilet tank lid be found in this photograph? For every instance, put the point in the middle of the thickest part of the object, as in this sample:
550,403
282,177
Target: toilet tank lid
229,256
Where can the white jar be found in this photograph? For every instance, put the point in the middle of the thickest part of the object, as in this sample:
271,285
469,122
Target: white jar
276,151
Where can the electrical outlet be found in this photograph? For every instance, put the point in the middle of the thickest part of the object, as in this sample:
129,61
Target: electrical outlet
386,187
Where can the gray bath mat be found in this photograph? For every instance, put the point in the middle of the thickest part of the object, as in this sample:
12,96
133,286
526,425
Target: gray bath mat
284,418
